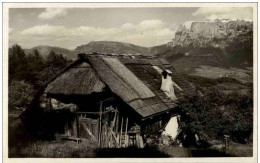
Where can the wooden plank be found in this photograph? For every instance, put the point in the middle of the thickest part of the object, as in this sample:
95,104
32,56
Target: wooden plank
84,113
74,127
49,103
117,123
108,99
97,113
105,136
139,140
114,136
89,132
129,77
108,76
108,138
137,104
114,121
78,140
100,124
121,130
126,131
127,140
77,126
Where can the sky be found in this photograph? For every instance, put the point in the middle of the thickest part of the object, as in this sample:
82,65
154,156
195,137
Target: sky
71,27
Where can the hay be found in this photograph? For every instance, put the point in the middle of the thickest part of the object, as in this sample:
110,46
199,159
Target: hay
76,81
114,82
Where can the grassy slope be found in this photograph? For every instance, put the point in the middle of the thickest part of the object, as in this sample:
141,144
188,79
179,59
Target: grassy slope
66,149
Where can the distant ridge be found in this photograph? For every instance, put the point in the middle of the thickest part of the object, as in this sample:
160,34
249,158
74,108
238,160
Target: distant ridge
113,48
45,50
219,43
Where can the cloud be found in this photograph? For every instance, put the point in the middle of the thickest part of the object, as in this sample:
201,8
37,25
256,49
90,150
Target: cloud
146,33
233,13
51,13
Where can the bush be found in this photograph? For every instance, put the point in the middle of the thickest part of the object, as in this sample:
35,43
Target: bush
216,114
20,94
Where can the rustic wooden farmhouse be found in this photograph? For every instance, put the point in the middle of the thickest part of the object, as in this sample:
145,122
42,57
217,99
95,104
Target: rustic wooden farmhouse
118,100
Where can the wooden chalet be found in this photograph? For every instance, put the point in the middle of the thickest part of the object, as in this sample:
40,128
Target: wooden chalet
117,99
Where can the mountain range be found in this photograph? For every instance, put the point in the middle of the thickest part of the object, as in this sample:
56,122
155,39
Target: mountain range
113,47
215,43
229,41
45,50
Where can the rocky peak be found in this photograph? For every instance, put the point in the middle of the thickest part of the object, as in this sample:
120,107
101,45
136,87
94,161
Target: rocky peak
215,33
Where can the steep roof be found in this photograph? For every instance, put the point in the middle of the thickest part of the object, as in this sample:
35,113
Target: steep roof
133,79
80,79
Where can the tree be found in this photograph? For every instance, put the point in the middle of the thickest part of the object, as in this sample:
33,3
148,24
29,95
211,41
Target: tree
54,63
215,114
18,67
20,94
56,60
35,64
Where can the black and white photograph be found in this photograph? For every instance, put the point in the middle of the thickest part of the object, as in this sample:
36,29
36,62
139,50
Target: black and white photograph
128,80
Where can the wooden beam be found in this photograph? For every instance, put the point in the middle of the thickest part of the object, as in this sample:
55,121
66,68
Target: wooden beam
104,138
121,130
126,132
100,124
139,139
114,121
89,132
49,103
108,99
114,136
77,125
117,123
97,113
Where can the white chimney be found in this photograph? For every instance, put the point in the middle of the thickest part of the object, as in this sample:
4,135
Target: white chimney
167,85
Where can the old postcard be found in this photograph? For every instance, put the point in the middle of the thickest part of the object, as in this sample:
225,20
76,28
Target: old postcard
124,82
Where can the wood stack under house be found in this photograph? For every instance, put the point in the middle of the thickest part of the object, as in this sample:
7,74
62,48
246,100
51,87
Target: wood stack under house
118,100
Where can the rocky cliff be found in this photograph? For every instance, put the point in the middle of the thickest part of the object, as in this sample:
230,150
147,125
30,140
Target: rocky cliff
230,40
218,33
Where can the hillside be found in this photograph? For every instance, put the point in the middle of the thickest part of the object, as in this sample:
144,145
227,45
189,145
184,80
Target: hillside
113,47
220,43
101,47
45,51
161,49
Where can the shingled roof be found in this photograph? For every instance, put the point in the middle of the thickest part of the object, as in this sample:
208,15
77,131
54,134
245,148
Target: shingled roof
132,78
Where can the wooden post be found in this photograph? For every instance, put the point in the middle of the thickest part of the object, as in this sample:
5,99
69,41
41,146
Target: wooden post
139,140
77,125
114,122
126,132
105,135
49,103
89,132
121,130
100,123
113,136
117,125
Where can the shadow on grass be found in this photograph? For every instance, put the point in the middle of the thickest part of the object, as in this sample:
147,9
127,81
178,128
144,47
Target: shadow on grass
131,152
208,153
